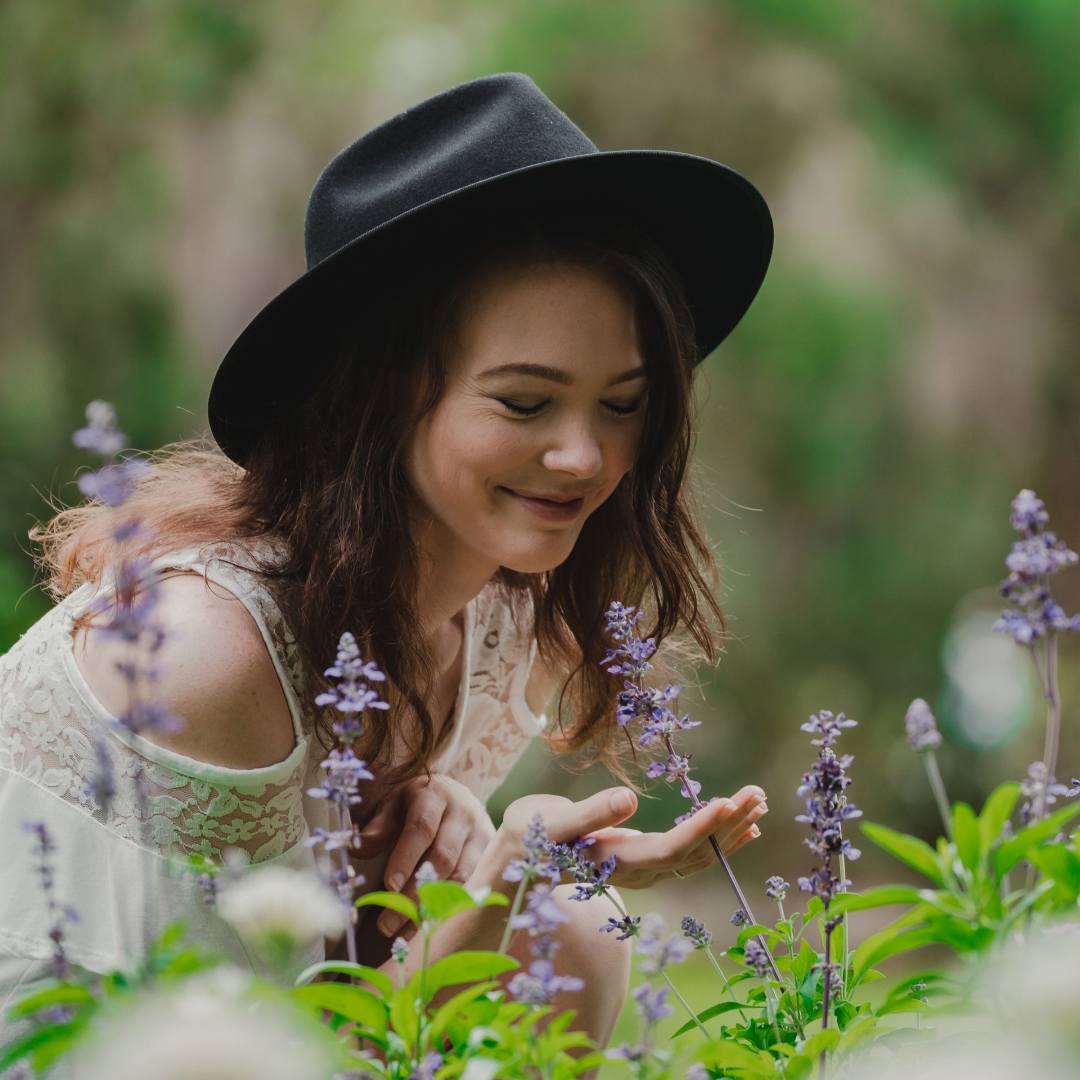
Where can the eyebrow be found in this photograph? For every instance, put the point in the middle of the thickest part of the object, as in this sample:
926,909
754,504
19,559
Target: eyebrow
554,374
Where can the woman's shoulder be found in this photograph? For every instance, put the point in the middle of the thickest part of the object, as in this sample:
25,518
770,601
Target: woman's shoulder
215,672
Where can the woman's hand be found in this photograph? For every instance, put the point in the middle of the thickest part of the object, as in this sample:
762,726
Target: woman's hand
437,820
641,858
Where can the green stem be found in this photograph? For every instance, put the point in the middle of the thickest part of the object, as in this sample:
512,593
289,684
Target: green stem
519,896
797,1009
727,986
937,786
841,990
686,1005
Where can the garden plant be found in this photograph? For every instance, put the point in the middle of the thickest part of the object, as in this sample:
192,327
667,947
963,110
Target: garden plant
796,995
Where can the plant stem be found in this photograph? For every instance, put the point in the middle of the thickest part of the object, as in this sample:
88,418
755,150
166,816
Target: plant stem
508,932
343,862
937,786
732,879
686,1005
841,989
796,1014
1053,720
825,991
727,986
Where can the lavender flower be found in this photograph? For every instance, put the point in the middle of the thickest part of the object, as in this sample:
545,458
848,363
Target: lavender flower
657,952
739,918
627,927
540,984
399,950
922,730
426,874
59,966
696,932
652,1004
1039,790
426,1069
776,888
827,807
542,918
1033,559
756,956
590,880
536,862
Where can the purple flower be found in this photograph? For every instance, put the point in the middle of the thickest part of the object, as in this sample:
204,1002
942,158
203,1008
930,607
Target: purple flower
100,433
1033,559
756,956
536,862
739,917
426,1069
657,952
540,984
542,914
344,770
776,888
352,694
922,731
627,926
59,966
652,1004
827,807
1037,789
590,880
696,932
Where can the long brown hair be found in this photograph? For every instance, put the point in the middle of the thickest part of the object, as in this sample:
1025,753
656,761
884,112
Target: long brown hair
327,478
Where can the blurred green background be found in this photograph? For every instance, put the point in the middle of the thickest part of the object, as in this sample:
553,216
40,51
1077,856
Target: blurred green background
909,365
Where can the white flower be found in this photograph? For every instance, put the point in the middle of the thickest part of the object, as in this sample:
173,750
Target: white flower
280,900
206,1029
479,894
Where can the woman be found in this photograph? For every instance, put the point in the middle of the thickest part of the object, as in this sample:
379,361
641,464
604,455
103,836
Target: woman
460,435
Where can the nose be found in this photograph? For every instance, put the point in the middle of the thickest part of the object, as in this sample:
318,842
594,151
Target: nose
576,450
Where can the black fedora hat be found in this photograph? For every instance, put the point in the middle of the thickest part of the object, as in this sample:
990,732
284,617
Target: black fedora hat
494,143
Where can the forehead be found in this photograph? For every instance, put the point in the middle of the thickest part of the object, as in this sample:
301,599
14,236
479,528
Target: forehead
553,312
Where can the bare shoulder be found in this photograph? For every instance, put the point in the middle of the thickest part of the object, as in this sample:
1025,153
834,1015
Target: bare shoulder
216,674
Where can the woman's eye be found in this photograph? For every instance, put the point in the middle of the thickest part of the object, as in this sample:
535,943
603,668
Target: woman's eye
627,409
522,410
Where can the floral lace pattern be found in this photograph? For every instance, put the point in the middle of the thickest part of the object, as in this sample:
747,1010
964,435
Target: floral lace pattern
48,716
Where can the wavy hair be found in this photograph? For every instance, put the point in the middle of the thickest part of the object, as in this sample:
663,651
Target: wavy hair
326,479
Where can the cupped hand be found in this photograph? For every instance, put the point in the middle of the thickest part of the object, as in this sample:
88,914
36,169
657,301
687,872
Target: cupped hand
437,820
642,858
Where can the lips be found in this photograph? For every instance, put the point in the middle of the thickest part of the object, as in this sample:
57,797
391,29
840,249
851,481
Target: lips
550,497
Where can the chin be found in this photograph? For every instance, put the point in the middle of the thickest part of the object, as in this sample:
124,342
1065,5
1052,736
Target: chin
534,562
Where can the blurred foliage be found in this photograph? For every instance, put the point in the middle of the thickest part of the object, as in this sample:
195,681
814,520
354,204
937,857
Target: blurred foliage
909,364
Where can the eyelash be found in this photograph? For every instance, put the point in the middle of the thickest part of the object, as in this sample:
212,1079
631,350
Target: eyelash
533,410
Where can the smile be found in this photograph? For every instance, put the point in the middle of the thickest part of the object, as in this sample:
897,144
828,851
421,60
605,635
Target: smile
549,509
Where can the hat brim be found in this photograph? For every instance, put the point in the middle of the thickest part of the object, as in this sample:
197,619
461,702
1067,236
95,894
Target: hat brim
713,224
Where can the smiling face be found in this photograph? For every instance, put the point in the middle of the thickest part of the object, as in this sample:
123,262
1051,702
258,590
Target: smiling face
544,397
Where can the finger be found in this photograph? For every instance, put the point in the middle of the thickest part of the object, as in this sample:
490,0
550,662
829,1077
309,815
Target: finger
421,826
607,807
470,857
382,830
444,852
730,828
751,834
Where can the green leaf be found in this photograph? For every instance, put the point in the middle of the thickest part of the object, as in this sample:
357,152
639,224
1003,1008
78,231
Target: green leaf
446,1012
1015,849
747,932
405,1016
966,836
718,1009
911,850
57,995
872,898
822,1041
997,809
352,1002
36,1039
395,901
1060,864
465,966
886,943
379,979
440,900
726,1054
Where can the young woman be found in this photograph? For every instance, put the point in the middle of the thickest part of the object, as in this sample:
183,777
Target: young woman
460,435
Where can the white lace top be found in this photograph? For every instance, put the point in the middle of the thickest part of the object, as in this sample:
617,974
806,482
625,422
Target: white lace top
113,866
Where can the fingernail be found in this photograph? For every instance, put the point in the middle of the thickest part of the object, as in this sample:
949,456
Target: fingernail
622,802
394,882
755,831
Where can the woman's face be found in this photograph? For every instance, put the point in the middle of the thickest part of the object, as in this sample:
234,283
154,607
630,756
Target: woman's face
544,397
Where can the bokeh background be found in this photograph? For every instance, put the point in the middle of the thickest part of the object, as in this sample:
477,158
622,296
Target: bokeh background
910,364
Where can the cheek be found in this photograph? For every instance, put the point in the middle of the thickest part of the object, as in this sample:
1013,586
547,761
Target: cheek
468,451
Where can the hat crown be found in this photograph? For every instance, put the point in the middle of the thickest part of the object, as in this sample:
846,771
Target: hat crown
470,133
